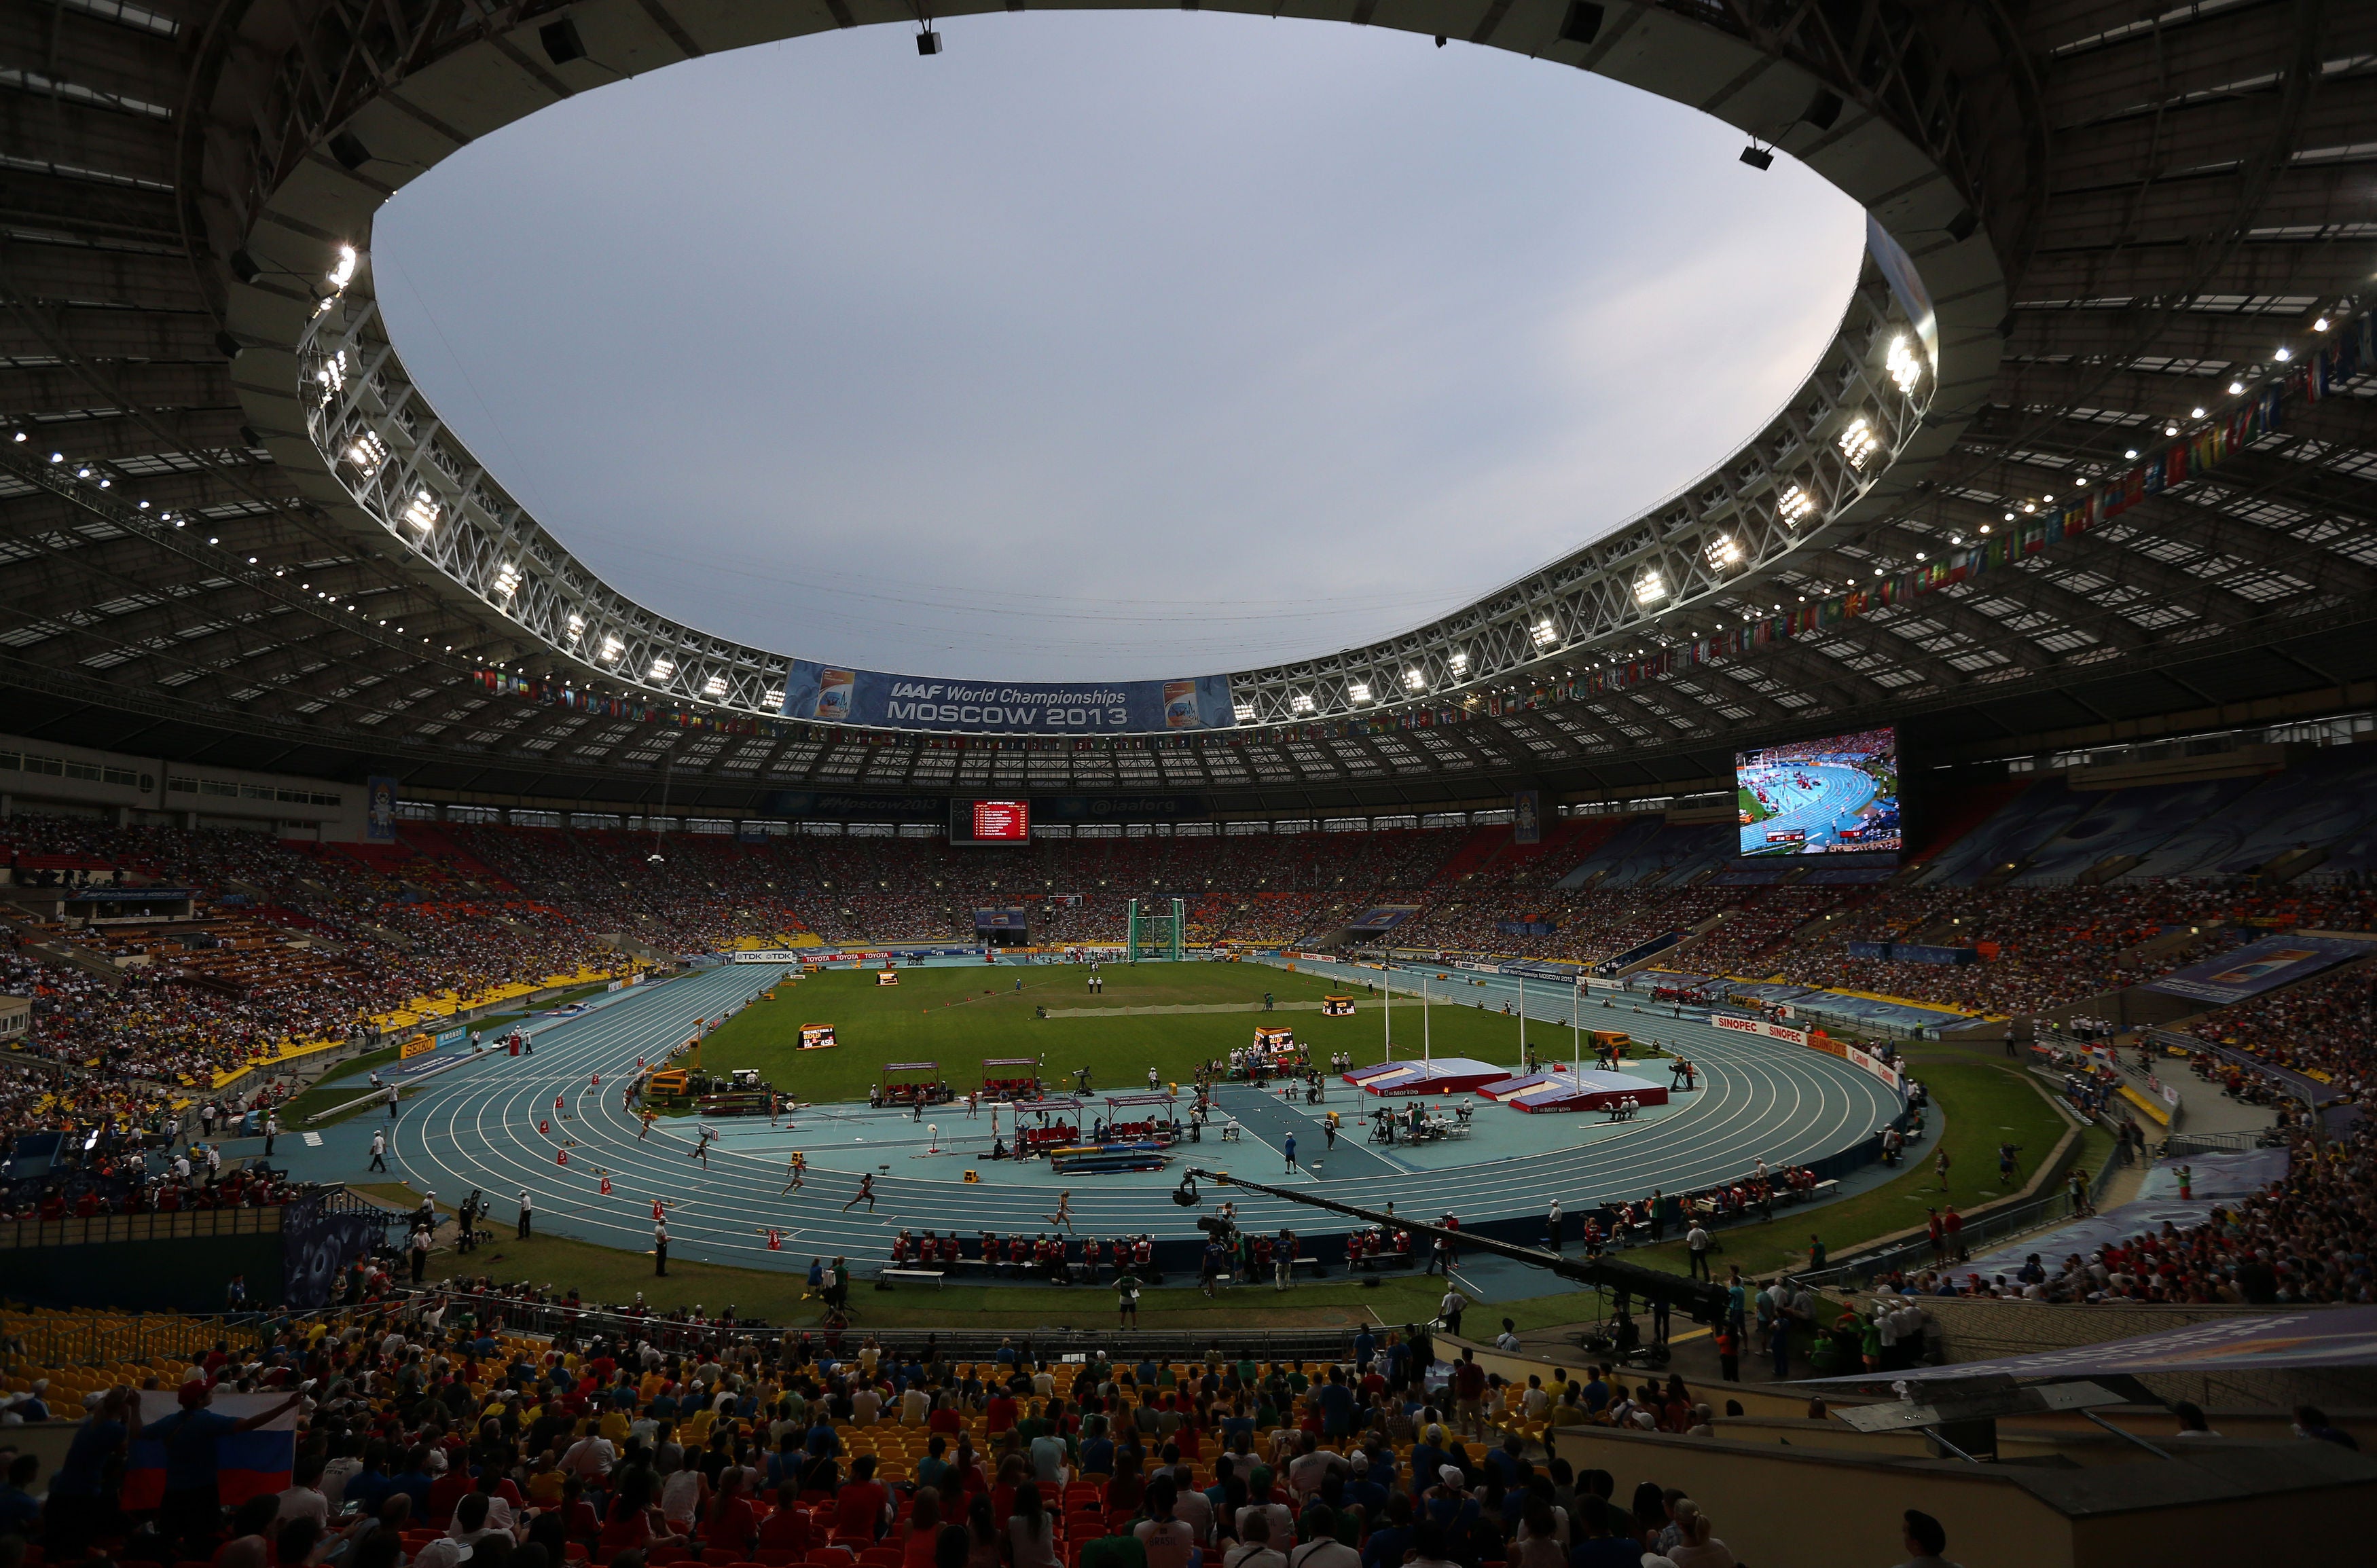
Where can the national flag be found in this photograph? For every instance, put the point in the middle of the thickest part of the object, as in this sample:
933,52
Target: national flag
257,1462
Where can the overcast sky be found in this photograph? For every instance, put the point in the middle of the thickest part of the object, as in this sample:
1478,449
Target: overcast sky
1102,345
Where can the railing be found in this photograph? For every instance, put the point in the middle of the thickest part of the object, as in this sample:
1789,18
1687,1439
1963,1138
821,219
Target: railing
2221,1142
179,1226
565,1323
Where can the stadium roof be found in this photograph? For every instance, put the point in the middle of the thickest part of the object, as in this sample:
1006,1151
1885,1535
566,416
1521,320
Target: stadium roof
2117,218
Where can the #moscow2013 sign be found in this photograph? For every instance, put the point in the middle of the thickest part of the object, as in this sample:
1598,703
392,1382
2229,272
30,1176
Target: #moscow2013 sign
842,696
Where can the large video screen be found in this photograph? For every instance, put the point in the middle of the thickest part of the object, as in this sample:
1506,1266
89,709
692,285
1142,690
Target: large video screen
1837,796
990,821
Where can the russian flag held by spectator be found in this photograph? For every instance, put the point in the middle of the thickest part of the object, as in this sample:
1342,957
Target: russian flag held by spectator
248,1463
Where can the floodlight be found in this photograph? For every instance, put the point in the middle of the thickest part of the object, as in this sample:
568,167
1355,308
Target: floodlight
422,511
1414,679
1359,691
1794,504
342,271
2170,429
661,669
1650,588
1460,663
2235,388
1905,364
1301,702
2131,453
612,648
2320,325
1543,634
714,686
1721,551
2282,354
367,451
1858,442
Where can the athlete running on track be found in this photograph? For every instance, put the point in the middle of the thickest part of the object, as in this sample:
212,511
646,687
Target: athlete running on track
866,1195
798,1169
1063,1218
701,1146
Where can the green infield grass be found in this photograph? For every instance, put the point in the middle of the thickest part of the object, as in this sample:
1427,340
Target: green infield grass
958,1017
1751,806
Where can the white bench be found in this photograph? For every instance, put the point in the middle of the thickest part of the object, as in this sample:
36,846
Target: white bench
935,1275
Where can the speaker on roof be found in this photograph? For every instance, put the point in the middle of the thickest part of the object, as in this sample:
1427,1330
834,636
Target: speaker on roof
561,41
1582,24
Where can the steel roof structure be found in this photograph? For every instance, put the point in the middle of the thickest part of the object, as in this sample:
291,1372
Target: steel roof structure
232,529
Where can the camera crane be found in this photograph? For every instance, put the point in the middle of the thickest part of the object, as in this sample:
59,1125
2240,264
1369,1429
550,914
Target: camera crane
1701,1301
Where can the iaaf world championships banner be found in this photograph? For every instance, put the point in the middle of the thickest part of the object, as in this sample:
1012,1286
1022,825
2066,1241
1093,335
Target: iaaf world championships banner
992,707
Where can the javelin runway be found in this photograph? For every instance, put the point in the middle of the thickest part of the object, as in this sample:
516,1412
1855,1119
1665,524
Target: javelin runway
493,1126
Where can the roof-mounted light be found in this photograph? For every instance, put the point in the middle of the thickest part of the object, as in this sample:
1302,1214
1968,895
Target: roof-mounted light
1905,363
1858,442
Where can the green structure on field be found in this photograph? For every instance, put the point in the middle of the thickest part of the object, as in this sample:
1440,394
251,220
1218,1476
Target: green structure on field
1158,936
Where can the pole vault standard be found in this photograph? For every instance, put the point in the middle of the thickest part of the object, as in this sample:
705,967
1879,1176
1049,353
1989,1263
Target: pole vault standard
1386,988
1523,1026
1427,1041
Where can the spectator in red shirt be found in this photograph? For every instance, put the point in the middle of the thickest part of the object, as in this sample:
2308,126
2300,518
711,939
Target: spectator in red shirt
923,1530
787,1529
859,1507
733,1522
